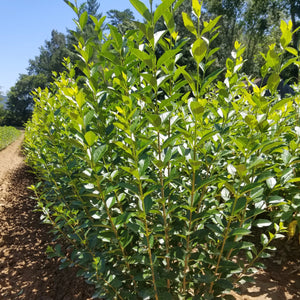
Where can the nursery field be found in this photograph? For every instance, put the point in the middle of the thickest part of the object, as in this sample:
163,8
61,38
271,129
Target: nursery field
157,179
27,273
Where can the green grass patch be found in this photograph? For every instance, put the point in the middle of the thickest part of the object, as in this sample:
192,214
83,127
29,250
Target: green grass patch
8,135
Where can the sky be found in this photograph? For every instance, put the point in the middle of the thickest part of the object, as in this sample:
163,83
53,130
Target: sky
25,25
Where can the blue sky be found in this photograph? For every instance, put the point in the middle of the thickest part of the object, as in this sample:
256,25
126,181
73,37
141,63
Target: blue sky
26,24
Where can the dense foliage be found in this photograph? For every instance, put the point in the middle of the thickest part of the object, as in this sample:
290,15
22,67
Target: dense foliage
8,135
158,179
254,23
20,100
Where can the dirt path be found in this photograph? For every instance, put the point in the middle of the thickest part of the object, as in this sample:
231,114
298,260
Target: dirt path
25,270
27,273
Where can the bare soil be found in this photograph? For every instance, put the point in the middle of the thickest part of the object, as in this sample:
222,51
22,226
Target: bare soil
27,273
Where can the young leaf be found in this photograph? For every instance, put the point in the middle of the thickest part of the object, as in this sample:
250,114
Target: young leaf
188,23
142,9
177,4
99,152
166,56
197,109
273,82
83,20
75,9
161,8
90,137
286,35
199,50
209,26
80,99
240,232
154,119
116,36
143,56
272,58
292,51
196,8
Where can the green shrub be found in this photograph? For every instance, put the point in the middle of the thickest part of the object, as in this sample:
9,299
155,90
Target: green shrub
157,178
8,135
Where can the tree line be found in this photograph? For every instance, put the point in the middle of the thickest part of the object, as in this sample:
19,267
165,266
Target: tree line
253,23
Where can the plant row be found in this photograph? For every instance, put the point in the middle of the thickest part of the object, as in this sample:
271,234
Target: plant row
165,184
8,135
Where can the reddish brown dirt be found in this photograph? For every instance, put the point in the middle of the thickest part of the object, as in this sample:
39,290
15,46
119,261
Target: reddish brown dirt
27,273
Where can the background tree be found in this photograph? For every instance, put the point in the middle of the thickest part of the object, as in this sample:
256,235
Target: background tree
294,12
41,68
260,27
92,7
230,24
20,101
2,109
123,20
51,56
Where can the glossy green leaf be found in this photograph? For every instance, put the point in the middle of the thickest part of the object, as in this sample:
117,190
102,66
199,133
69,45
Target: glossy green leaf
272,58
166,57
199,49
262,223
196,8
99,152
90,137
117,37
240,205
75,9
154,119
292,51
210,25
142,9
143,56
188,23
197,109
273,82
161,8
188,78
123,147
271,182
264,239
169,20
158,36
80,99
240,232
286,34
148,204
177,4
83,19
